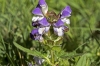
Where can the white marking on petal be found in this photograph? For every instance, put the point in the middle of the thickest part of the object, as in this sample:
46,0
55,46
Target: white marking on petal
41,30
60,31
40,18
35,18
63,19
47,28
67,21
44,8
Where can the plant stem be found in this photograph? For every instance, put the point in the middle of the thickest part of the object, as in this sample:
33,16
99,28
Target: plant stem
52,56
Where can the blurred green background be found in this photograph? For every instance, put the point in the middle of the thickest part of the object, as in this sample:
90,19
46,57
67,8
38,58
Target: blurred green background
15,26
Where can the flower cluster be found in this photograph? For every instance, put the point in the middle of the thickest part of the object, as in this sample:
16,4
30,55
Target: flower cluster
43,20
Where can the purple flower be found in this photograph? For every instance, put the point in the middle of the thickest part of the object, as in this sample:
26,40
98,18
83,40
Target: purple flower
66,12
41,18
59,26
44,6
41,8
35,35
59,23
38,61
42,25
39,21
42,2
40,12
44,22
37,11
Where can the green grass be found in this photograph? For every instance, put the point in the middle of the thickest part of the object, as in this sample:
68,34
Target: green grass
81,43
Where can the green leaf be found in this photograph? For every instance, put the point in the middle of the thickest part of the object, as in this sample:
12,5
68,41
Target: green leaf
56,48
30,52
33,53
58,41
82,61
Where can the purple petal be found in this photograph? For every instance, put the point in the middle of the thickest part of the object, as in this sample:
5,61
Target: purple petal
42,2
44,6
67,8
59,23
66,12
38,60
37,11
35,35
44,22
34,31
